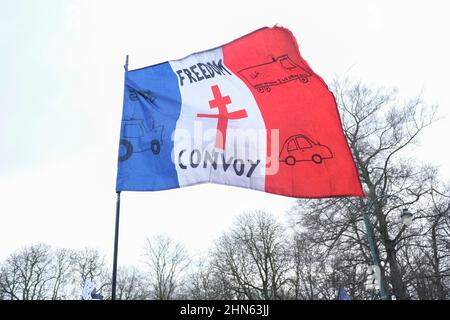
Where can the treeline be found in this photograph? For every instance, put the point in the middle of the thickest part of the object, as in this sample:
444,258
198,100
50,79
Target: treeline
321,247
258,258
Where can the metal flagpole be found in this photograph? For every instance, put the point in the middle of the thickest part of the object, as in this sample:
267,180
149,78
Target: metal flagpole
373,251
116,247
116,235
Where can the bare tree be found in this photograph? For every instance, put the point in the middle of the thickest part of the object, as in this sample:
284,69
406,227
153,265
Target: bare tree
90,265
428,256
24,274
167,261
439,240
61,270
379,129
205,282
320,268
381,132
132,284
252,257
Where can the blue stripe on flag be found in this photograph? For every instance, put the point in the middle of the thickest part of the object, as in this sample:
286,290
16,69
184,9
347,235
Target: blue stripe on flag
151,108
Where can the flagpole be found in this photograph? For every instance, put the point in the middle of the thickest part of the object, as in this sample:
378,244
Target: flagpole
116,247
116,234
373,251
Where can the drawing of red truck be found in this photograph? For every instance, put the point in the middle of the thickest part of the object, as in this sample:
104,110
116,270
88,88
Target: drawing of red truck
277,72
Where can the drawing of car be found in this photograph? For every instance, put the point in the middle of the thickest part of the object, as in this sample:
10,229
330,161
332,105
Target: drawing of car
138,137
277,72
301,148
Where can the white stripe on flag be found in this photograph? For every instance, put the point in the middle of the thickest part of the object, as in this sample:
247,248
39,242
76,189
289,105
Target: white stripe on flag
198,154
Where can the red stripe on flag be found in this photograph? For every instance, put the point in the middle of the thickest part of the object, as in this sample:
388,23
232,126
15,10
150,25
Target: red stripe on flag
315,160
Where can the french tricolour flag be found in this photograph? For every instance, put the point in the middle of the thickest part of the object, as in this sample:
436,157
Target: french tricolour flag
251,113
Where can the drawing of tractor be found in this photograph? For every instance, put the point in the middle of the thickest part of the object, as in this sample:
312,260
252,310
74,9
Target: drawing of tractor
138,137
301,148
277,72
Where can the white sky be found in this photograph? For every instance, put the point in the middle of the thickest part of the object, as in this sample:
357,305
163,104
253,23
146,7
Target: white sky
61,87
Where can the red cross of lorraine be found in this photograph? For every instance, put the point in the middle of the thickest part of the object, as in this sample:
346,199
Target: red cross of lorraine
223,116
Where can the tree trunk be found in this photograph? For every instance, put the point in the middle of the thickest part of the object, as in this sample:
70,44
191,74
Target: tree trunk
398,286
437,277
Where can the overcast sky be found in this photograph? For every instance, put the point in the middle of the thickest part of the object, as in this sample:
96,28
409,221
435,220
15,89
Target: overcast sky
61,88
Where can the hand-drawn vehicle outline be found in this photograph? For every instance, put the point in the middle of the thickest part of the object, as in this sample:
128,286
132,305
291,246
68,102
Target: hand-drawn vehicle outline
299,148
279,71
138,137
146,94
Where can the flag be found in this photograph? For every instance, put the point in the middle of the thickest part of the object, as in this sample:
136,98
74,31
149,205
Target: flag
90,292
251,113
343,295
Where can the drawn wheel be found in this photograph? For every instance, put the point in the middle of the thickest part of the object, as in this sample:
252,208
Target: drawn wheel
290,160
268,89
304,79
317,159
260,90
125,150
155,146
